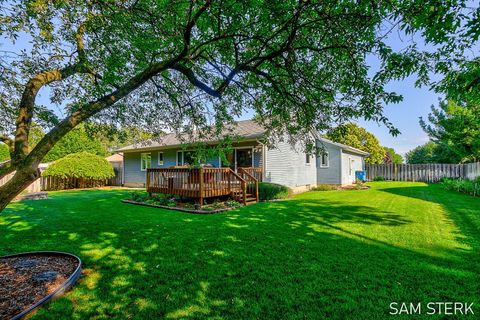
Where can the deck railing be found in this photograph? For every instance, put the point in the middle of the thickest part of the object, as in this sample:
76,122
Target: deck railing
256,172
199,183
252,182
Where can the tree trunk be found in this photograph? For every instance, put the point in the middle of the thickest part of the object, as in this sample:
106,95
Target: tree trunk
23,178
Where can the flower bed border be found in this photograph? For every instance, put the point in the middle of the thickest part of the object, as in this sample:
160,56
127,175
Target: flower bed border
70,282
194,211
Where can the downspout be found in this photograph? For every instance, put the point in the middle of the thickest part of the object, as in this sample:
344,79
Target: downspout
123,170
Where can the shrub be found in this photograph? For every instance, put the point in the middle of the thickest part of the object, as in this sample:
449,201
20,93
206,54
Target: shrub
233,204
4,152
80,165
139,196
272,191
471,187
379,178
324,187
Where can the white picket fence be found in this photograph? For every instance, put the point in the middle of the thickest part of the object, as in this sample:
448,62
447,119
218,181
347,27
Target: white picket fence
431,172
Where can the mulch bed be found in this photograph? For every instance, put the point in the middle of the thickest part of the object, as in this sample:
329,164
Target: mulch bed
25,280
177,208
353,187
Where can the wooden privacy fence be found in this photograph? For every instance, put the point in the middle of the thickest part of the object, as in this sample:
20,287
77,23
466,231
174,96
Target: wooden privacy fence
58,183
430,172
117,179
35,186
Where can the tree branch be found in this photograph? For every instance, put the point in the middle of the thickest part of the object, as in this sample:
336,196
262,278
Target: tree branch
90,109
191,23
33,86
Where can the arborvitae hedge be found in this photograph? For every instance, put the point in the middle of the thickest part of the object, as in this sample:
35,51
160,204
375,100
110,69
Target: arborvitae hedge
80,165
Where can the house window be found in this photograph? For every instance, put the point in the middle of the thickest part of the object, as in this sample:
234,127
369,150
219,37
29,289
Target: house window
324,161
185,158
307,159
146,161
160,158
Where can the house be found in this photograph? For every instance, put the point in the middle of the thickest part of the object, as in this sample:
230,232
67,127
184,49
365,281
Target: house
281,164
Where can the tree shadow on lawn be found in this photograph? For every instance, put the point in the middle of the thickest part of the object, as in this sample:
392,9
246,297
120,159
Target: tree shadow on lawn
462,209
267,261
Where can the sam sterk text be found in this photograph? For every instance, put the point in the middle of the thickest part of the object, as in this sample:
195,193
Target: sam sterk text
431,308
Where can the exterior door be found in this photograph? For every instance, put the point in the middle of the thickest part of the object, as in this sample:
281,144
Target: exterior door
244,158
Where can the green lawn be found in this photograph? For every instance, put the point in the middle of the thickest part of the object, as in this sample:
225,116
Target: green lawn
338,254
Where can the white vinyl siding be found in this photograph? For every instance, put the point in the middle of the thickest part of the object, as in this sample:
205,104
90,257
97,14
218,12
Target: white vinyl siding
350,164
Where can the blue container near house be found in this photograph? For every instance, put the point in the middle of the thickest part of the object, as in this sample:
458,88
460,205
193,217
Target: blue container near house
361,175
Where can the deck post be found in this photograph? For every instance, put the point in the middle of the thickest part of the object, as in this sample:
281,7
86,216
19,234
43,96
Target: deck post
148,182
229,177
244,189
201,186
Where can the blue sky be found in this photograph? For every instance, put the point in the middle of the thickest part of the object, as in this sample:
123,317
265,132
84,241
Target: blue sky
405,115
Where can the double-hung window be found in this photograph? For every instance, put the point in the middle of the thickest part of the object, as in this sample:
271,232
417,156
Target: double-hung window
324,161
160,158
185,158
146,161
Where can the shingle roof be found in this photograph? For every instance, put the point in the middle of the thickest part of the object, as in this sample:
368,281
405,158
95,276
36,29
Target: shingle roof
246,129
117,157
344,146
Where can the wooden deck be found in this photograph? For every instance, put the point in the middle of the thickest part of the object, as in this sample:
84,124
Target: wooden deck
201,183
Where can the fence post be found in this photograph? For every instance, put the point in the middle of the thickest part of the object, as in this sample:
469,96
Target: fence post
201,186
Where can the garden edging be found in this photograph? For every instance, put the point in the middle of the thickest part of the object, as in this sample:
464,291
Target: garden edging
195,211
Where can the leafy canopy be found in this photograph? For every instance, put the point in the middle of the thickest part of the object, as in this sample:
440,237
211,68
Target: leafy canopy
391,156
357,137
195,65
4,152
298,65
75,141
80,165
430,152
455,128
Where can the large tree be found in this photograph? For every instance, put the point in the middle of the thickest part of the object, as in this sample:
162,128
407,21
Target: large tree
391,156
357,137
189,64
455,128
76,141
429,152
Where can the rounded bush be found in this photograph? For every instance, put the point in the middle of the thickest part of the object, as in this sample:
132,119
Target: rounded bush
272,191
80,165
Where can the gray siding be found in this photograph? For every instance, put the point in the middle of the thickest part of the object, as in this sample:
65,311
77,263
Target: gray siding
133,176
332,173
348,172
288,167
